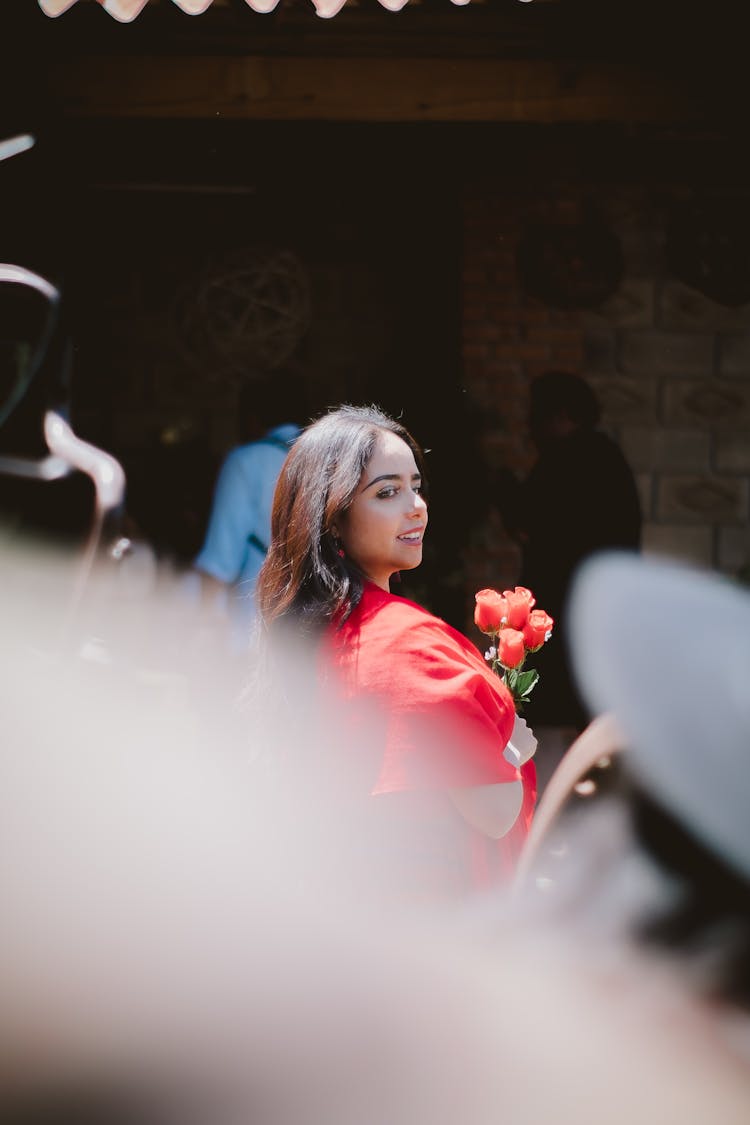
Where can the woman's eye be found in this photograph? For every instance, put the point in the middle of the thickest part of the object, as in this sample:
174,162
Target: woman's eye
385,493
418,489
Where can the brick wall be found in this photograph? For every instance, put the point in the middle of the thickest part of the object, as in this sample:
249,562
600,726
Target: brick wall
508,338
670,366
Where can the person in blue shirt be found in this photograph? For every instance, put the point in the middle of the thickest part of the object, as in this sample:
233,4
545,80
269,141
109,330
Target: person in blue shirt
239,525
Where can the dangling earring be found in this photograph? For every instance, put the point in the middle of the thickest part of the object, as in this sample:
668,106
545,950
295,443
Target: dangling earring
337,545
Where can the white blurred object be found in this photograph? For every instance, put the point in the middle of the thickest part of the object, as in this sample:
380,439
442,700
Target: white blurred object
127,10
15,145
173,922
67,451
104,470
522,744
19,275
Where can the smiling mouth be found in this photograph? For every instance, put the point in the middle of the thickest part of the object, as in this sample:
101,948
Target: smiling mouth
412,537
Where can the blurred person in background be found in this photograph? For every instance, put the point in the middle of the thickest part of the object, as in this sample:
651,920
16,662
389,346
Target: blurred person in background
349,514
239,526
579,498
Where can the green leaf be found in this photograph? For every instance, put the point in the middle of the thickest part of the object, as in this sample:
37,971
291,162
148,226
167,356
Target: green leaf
526,682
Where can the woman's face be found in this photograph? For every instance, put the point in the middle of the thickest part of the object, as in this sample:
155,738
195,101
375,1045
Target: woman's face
382,529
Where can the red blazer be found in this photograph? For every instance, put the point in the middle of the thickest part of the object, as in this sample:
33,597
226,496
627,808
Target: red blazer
416,696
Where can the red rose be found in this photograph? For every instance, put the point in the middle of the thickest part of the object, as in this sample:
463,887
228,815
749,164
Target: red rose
519,602
537,629
510,648
491,611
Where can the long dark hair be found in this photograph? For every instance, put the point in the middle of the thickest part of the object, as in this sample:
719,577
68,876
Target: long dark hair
305,581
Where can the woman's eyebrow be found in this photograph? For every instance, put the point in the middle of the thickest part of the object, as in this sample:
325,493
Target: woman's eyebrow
390,476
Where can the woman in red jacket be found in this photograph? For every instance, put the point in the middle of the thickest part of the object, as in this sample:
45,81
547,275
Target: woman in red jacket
349,513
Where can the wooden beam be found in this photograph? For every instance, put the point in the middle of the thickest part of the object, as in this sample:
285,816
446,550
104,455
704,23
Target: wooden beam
367,89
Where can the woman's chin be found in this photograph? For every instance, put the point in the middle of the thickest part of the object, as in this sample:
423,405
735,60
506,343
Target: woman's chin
410,563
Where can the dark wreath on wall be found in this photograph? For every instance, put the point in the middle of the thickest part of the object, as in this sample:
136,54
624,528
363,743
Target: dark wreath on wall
574,265
243,316
708,247
578,265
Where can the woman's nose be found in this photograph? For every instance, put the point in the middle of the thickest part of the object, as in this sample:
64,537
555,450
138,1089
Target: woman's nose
419,506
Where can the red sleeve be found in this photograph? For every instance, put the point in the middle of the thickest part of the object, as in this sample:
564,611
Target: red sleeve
444,717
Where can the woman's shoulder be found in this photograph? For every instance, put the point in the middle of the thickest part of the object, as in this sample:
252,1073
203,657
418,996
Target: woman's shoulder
399,621
381,606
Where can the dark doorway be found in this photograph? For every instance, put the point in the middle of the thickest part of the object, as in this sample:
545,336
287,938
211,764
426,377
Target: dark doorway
144,212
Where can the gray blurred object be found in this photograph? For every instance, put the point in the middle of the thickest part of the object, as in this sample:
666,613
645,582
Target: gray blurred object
667,650
578,775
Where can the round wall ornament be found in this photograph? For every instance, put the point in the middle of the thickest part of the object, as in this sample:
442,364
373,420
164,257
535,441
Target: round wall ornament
708,248
247,312
570,265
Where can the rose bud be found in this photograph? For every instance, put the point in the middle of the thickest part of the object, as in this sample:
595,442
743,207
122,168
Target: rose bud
537,629
510,648
519,602
491,611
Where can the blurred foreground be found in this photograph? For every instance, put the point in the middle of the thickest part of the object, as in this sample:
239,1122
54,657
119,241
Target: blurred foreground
194,927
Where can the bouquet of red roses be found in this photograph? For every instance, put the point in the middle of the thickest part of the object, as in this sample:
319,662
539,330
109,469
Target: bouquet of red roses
515,629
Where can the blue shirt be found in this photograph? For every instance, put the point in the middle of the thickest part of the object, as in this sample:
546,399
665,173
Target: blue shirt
239,527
